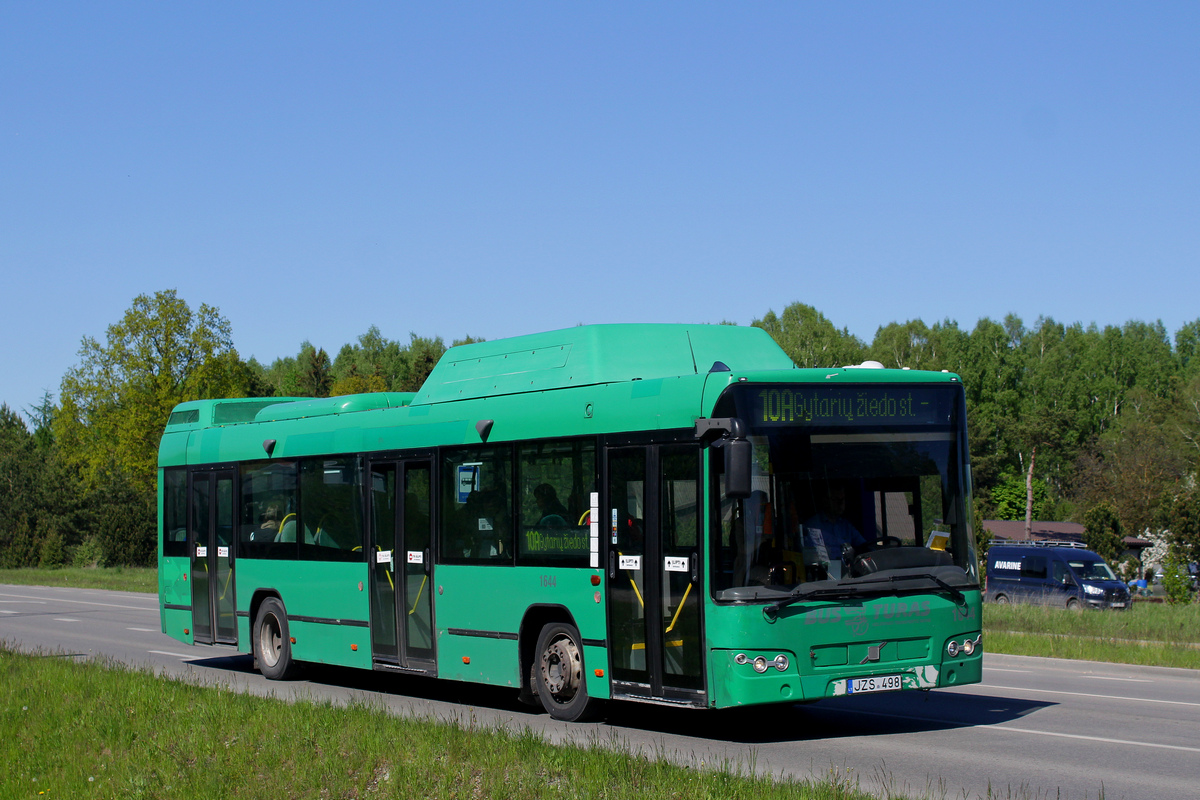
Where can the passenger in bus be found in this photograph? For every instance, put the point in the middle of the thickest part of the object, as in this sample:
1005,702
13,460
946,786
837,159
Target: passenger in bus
553,513
829,532
269,526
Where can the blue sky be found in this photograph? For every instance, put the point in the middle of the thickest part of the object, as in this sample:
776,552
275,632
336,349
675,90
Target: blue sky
494,169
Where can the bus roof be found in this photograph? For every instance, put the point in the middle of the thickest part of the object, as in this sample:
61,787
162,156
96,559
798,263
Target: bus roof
595,354
636,376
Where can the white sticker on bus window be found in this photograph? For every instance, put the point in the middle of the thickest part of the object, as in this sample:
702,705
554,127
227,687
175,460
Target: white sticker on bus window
485,524
416,556
631,562
676,564
595,562
222,552
595,544
201,552
383,557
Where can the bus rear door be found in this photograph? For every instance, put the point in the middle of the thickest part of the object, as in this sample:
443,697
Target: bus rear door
210,538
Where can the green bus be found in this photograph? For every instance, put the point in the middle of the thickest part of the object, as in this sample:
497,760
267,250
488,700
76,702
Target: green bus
669,514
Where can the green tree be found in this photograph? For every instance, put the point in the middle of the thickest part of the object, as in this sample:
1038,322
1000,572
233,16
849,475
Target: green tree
115,402
1102,532
315,377
21,478
810,339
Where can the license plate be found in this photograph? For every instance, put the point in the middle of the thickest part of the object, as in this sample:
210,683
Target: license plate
1118,605
879,683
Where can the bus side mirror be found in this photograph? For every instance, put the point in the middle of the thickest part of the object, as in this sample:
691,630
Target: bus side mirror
738,455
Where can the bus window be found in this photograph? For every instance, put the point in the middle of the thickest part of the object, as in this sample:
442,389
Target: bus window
330,517
556,480
476,525
175,512
269,510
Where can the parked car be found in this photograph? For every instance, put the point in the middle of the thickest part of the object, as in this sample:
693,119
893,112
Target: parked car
1059,574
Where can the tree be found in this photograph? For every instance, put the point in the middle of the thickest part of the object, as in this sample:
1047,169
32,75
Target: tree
810,339
116,401
20,480
1102,532
315,375
1183,521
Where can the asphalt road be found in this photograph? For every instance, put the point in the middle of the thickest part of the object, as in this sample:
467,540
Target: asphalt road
1035,728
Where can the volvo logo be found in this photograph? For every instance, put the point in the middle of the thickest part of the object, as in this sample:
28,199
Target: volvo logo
873,652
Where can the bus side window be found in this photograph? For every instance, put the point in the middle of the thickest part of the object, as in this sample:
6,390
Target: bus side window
476,521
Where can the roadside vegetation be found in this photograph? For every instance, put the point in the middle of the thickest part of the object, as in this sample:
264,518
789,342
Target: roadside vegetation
1148,634
118,579
95,730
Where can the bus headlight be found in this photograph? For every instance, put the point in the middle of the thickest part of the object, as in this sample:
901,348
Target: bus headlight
968,647
781,662
760,664
952,649
740,659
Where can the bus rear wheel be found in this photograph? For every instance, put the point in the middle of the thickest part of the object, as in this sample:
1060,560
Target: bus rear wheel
1001,600
272,641
561,685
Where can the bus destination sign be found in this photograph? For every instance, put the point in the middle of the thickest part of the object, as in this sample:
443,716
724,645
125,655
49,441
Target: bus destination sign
850,405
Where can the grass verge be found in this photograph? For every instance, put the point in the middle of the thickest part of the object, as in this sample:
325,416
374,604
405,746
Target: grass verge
122,579
1148,634
95,730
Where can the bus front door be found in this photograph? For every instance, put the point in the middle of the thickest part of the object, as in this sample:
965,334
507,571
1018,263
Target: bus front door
210,537
655,598
402,635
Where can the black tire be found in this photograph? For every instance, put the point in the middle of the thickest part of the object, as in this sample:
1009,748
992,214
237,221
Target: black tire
1073,604
558,670
272,641
1001,600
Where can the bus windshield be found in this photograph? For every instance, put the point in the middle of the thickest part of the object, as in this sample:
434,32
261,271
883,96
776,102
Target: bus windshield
835,500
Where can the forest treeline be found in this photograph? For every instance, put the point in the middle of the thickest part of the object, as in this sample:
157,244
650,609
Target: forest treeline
1098,425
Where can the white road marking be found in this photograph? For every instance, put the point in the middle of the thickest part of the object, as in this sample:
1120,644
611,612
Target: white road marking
1086,694
1122,742
168,653
1107,678
143,630
6,611
81,603
24,602
1001,669
1105,740
65,619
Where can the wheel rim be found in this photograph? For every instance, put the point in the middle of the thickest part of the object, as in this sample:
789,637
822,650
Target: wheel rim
270,640
562,669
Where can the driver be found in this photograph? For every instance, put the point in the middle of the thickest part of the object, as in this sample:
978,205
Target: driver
828,530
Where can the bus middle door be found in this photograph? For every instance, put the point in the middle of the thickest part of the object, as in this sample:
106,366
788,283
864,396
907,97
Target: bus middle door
401,559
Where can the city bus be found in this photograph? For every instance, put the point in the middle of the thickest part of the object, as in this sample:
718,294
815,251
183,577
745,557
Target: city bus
668,514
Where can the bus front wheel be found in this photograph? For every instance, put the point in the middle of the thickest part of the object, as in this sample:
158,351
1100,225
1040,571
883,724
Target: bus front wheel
561,685
272,641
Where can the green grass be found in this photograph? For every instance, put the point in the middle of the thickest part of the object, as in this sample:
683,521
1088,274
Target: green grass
123,579
95,730
1148,634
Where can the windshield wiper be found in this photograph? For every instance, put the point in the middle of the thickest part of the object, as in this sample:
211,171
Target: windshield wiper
860,589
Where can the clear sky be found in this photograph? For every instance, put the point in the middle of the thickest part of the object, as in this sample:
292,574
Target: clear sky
494,169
